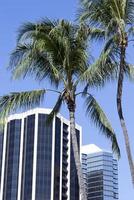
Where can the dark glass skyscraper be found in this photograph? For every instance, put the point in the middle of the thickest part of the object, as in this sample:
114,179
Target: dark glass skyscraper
38,161
100,172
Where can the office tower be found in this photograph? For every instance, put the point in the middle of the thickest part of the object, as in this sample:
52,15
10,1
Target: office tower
38,161
1,147
100,173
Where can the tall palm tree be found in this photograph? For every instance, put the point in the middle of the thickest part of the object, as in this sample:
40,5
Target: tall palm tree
57,51
113,21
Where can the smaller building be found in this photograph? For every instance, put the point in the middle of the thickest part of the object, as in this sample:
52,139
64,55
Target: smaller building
100,171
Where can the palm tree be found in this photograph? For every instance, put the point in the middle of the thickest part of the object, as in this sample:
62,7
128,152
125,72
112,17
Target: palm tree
57,51
113,21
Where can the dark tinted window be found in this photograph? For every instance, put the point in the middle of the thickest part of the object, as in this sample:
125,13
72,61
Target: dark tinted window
12,160
57,159
29,127
44,156
65,162
74,191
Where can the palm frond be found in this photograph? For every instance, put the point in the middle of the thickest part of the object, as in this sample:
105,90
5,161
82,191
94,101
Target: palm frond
99,118
56,108
30,30
26,31
129,71
27,60
103,70
85,90
97,34
17,100
131,32
2,125
20,60
56,51
129,12
95,13
107,14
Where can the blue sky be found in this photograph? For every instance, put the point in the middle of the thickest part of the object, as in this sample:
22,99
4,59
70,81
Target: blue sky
12,15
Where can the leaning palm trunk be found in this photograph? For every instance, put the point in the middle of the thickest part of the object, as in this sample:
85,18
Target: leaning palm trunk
76,154
120,112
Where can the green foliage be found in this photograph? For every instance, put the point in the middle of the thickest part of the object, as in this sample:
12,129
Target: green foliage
104,12
17,100
57,51
98,117
108,17
48,49
104,69
111,21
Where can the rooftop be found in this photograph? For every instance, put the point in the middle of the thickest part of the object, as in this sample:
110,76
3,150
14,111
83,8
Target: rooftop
90,148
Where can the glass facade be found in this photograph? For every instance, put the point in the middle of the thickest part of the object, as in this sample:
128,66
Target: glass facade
44,157
57,159
39,159
12,160
65,163
74,185
101,176
27,174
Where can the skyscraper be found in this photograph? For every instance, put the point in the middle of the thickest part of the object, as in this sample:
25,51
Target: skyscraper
100,172
38,161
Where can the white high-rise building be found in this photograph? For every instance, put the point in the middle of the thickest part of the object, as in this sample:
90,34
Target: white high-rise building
38,160
100,171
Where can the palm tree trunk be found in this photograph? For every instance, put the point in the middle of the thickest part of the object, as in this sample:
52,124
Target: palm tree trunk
76,155
120,112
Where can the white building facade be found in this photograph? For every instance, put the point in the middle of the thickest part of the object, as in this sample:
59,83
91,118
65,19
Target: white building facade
38,160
